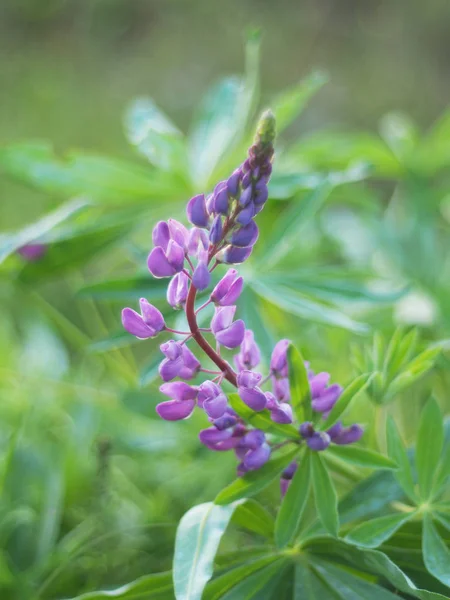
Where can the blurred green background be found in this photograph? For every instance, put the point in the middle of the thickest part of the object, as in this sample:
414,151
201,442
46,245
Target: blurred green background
92,484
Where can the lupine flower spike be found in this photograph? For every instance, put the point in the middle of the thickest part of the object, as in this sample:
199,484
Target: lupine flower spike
224,231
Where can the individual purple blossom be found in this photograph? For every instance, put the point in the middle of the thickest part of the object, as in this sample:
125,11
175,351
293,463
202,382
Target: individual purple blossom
253,450
278,361
249,391
233,183
212,399
281,389
165,263
179,361
220,198
280,412
182,403
198,241
228,290
201,277
345,435
323,397
234,255
215,233
196,211
177,290
318,441
245,236
249,355
287,476
32,252
228,333
145,325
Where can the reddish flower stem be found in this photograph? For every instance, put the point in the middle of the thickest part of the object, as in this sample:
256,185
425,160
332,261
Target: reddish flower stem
229,374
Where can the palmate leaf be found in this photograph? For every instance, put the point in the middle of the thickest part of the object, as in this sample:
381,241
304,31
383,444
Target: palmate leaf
10,242
251,515
356,387
196,543
362,457
325,496
430,440
397,452
149,587
255,481
300,390
436,554
104,180
154,135
293,504
253,317
128,288
376,531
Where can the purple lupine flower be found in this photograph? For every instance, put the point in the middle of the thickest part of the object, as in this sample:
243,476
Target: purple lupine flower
179,361
280,412
286,477
178,233
228,419
253,450
220,198
32,252
245,236
246,214
215,233
233,183
278,361
165,263
145,325
228,290
191,365
182,401
281,389
201,276
177,290
345,435
228,333
212,399
318,441
323,397
198,241
249,354
249,391
233,255
196,211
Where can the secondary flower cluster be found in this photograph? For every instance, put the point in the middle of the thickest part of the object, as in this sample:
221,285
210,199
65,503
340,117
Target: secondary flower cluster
224,231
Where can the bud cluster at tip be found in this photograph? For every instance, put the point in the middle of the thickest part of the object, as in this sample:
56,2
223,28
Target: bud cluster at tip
223,230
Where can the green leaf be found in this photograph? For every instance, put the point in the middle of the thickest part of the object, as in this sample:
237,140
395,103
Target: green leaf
252,572
150,371
307,586
154,135
261,419
149,587
430,440
198,537
258,586
325,495
436,555
10,242
375,562
376,531
100,178
255,481
253,516
345,585
287,228
397,451
299,305
293,504
117,339
253,316
288,105
128,288
351,391
362,457
443,472
299,385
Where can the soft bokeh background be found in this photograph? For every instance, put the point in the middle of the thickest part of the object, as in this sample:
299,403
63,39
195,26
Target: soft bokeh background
92,484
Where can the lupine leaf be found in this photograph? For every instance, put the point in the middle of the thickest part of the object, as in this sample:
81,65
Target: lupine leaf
129,288
306,308
351,391
10,242
443,472
117,339
307,586
299,385
254,320
253,516
154,135
362,457
150,371
255,481
373,533
436,555
259,585
397,452
375,562
221,585
196,543
293,504
429,445
325,495
290,103
149,587
261,419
